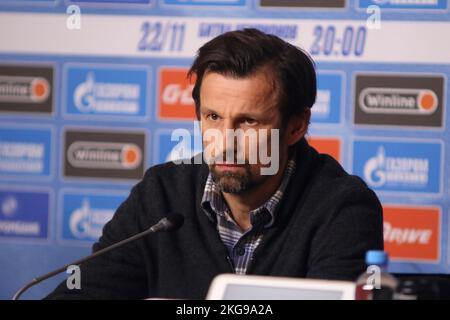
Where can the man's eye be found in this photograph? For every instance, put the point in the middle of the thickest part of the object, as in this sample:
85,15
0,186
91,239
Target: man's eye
213,117
250,121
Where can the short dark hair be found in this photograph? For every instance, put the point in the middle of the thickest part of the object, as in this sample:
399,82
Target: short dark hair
244,52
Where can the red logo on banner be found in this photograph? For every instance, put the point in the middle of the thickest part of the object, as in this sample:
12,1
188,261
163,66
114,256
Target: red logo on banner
175,94
412,233
330,146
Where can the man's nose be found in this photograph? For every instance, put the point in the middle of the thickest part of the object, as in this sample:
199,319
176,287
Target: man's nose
228,124
228,133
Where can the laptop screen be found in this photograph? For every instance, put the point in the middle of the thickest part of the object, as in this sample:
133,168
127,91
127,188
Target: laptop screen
238,287
238,291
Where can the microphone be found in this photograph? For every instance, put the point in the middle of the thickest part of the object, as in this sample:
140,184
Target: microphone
172,222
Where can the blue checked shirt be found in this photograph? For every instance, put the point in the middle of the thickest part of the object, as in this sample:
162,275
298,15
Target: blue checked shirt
242,244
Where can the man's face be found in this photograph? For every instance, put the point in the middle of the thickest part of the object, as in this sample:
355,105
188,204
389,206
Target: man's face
248,104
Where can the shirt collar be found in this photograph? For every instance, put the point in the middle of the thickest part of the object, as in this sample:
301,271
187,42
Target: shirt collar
213,203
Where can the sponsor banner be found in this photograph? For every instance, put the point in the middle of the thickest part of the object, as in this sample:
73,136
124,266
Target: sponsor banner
180,37
104,154
448,243
28,2
409,100
106,92
399,166
26,88
24,215
84,214
328,106
304,3
175,95
206,2
410,5
121,2
177,144
412,233
328,145
25,153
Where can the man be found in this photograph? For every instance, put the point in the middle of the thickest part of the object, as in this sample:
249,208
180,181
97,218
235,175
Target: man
309,218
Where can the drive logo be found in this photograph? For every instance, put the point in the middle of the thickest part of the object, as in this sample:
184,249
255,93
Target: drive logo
330,146
405,4
101,154
412,233
327,108
24,215
106,91
175,95
399,166
25,152
399,100
84,215
26,89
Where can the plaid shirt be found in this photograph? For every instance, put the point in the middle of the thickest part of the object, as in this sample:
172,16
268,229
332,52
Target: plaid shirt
242,244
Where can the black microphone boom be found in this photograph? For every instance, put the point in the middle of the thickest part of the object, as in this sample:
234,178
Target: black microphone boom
172,222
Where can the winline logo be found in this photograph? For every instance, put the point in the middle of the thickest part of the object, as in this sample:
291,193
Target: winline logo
398,101
89,154
23,89
104,154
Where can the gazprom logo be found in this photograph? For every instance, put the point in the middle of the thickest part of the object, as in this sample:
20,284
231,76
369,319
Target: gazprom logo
380,170
105,155
426,2
106,90
398,101
9,206
25,152
85,213
24,214
99,97
115,2
399,166
14,227
405,4
87,222
206,2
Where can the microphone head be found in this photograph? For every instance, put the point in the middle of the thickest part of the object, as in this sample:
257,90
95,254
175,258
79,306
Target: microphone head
172,222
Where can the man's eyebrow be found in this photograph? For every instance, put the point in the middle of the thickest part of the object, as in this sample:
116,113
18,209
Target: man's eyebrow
206,110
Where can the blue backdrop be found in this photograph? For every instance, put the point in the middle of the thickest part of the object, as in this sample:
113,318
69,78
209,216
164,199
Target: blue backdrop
86,78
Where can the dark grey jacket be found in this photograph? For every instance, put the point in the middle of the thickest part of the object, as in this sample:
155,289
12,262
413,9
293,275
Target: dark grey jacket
326,222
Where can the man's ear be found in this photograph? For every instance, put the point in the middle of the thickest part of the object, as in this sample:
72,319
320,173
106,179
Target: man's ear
298,126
